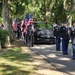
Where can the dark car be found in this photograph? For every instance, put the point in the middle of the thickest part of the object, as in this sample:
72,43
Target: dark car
44,35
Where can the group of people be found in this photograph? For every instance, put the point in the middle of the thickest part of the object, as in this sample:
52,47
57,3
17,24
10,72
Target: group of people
28,34
21,31
65,33
61,32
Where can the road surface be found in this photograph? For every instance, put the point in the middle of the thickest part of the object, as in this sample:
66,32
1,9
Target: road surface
63,63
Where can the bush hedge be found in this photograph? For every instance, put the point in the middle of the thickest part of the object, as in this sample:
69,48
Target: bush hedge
3,37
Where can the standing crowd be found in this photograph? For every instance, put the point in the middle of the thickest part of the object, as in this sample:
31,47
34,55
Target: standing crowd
24,31
65,33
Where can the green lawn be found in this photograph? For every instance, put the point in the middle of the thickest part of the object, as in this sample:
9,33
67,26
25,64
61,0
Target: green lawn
15,62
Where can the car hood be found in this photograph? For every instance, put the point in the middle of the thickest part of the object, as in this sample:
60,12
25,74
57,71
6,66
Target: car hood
50,32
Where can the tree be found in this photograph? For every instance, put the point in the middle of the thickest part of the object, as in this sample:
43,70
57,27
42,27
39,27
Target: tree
46,8
58,11
68,7
7,21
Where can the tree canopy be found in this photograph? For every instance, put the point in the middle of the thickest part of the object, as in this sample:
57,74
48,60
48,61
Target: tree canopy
44,10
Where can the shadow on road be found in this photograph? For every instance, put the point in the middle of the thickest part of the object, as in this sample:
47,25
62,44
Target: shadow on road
63,63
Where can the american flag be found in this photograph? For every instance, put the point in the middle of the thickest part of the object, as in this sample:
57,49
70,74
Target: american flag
28,19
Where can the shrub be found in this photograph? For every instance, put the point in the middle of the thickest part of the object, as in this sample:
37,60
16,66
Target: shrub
3,37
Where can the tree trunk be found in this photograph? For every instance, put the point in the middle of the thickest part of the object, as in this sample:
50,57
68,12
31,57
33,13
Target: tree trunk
73,6
5,13
69,18
44,9
49,12
64,4
72,10
7,21
48,9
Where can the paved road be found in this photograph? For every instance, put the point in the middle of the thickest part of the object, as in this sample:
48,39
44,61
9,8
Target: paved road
63,63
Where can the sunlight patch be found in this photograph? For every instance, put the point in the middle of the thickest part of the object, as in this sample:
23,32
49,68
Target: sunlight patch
51,55
66,59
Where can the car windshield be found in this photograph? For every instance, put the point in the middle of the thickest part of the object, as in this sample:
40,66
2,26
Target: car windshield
43,26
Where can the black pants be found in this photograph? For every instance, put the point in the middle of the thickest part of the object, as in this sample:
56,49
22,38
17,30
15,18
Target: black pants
18,34
29,40
25,38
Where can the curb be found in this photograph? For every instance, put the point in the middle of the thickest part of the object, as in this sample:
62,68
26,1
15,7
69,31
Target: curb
46,61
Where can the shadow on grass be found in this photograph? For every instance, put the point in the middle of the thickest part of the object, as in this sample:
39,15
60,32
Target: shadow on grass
11,62
16,54
12,70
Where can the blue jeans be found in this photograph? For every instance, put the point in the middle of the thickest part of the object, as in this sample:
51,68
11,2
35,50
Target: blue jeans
73,46
57,43
65,43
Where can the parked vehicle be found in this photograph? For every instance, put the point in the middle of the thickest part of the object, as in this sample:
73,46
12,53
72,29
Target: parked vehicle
44,34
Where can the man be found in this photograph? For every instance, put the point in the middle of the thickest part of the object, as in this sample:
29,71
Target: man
57,35
65,38
25,34
30,35
18,31
73,38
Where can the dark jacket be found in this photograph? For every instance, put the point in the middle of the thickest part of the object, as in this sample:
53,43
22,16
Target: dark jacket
30,31
65,32
72,34
56,31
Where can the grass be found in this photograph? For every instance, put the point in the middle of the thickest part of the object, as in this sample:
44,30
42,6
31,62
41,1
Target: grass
14,62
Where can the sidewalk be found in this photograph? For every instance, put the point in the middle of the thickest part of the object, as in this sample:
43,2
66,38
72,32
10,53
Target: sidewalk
42,67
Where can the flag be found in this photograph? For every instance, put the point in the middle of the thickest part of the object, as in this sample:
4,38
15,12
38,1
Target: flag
28,19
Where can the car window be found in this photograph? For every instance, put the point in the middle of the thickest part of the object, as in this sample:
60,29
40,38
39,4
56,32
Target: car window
43,26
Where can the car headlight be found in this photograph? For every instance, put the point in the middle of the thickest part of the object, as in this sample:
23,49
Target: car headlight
41,32
38,33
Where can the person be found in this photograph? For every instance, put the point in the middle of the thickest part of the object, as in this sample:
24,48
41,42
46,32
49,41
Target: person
30,35
72,33
65,37
56,31
18,31
22,29
25,34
